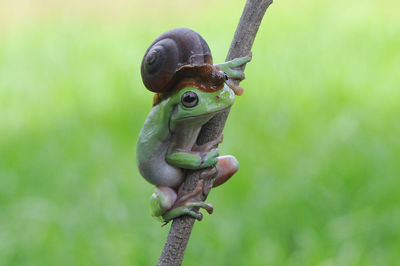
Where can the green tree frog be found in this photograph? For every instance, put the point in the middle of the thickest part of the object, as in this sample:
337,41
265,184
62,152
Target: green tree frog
190,91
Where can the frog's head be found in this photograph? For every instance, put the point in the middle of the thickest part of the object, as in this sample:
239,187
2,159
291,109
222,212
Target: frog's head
194,105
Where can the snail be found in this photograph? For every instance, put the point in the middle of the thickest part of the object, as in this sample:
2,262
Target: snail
170,52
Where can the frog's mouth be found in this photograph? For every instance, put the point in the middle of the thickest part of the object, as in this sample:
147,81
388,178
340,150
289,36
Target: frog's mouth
212,114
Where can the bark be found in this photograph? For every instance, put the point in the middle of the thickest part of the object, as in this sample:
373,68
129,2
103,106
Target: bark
245,34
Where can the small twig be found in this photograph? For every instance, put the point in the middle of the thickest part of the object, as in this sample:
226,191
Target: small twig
245,34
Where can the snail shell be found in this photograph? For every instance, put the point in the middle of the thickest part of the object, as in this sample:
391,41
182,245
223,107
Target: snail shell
168,53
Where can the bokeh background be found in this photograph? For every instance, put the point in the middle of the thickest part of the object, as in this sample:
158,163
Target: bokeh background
317,134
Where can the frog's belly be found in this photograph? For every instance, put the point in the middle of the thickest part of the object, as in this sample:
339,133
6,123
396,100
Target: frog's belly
158,172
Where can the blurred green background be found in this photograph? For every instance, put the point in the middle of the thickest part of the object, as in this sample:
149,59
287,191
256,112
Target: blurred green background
317,134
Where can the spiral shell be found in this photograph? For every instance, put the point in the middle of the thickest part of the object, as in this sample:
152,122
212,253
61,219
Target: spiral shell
168,53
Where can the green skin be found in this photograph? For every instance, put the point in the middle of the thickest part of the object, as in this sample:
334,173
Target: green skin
167,145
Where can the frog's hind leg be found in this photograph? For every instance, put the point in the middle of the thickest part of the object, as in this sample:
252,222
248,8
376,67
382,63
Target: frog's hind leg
192,199
188,204
166,203
161,200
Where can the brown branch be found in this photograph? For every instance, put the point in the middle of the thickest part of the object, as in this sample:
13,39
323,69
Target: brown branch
245,34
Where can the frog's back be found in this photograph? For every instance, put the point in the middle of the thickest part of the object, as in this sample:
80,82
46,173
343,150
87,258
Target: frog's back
151,149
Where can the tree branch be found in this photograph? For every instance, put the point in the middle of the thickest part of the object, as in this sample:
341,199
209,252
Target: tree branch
245,34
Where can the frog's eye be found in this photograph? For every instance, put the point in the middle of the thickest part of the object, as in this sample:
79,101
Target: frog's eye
190,99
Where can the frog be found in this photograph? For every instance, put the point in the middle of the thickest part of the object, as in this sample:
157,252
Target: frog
167,145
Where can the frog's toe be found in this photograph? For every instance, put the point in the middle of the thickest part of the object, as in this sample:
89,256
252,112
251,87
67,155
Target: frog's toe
241,60
245,59
209,172
236,74
200,204
195,214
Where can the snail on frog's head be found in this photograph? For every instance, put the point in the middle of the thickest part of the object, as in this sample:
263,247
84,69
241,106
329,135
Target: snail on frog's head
176,56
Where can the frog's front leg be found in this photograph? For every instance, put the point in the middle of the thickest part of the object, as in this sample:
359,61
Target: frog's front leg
234,74
228,67
192,159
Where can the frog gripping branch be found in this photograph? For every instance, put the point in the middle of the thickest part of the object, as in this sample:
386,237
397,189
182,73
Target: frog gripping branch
190,91
190,73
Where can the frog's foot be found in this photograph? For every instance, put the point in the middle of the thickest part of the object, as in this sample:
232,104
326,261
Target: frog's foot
228,67
227,167
190,208
208,175
218,174
188,204
235,74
